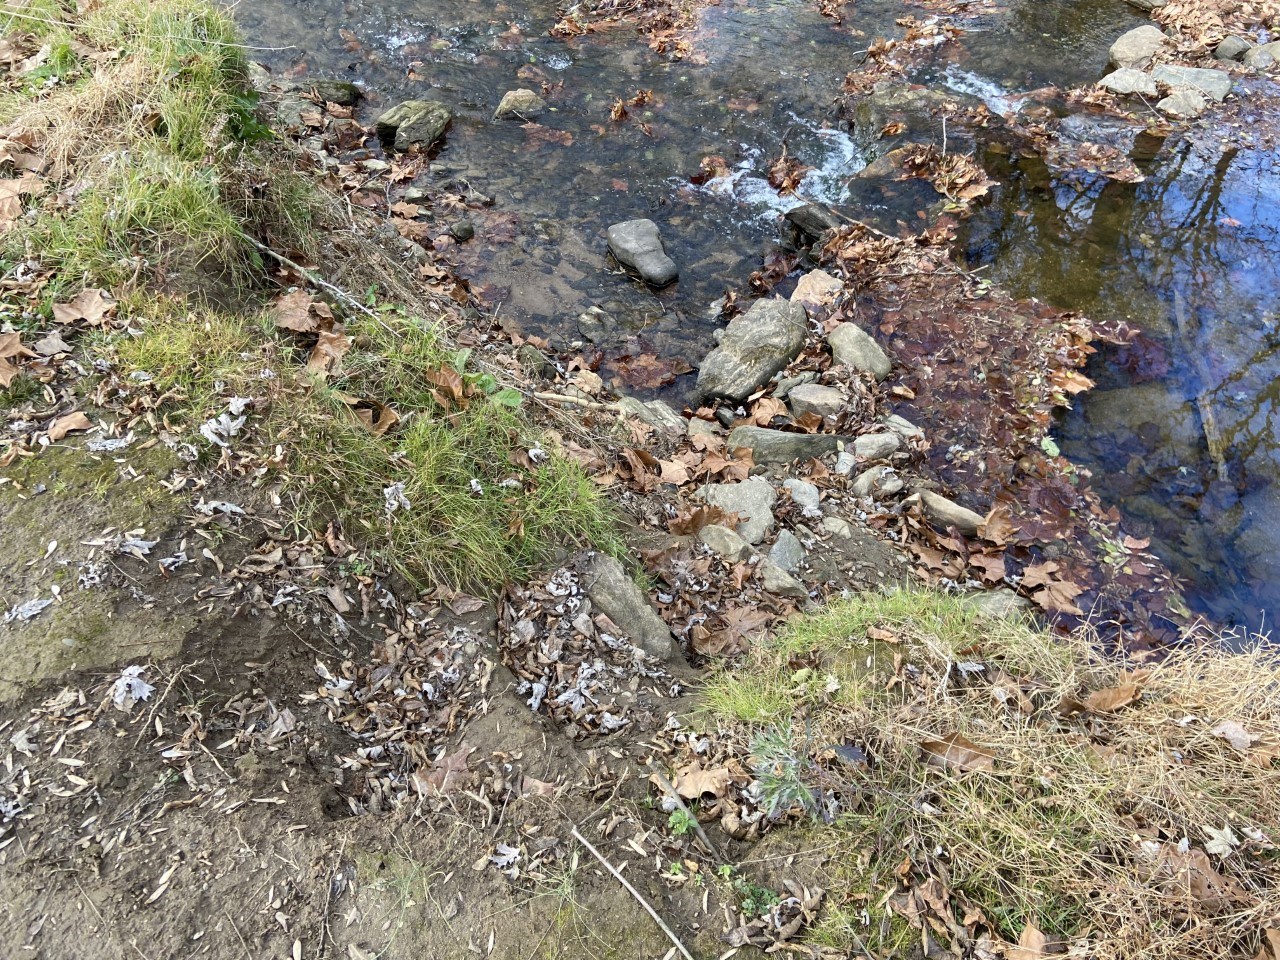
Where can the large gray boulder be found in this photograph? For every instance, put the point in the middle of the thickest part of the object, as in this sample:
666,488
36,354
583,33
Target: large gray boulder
1137,47
615,594
413,123
753,347
1214,84
637,245
852,347
1127,81
751,499
521,104
778,446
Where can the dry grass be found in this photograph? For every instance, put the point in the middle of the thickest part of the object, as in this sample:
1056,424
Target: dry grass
1093,826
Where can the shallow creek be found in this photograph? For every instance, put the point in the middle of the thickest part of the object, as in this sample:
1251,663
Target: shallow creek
1188,256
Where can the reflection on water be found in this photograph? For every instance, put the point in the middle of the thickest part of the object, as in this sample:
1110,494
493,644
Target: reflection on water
1180,430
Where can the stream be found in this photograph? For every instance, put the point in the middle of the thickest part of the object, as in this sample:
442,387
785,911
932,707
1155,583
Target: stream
1187,256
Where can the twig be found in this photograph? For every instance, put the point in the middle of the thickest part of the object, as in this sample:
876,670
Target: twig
578,401
697,827
239,935
635,893
314,278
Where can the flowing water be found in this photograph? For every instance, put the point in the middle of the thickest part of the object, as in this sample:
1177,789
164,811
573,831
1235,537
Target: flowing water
1183,256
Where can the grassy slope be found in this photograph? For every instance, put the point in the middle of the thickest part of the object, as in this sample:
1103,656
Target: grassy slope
143,109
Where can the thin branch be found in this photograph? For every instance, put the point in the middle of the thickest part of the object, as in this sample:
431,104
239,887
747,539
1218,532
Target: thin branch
635,893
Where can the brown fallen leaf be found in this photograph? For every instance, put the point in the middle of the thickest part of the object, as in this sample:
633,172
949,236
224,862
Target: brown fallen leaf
69,424
1032,945
446,774
693,782
11,194
90,306
326,356
10,348
298,312
1111,699
376,417
954,752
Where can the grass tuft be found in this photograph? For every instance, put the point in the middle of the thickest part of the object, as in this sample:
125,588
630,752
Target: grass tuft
1095,827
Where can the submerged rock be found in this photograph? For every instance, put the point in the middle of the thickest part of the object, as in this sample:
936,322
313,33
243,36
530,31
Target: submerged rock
777,446
413,123
1147,5
637,245
853,347
753,347
812,222
521,104
613,591
1137,47
1214,84
1183,105
342,92
1126,81
751,499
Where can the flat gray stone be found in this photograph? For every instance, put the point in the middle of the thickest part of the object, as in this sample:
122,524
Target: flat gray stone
804,495
1147,5
751,499
852,347
753,348
613,592
787,551
637,245
902,427
815,398
520,104
777,581
877,446
1232,48
1127,80
945,513
1263,56
703,428
776,446
1214,84
653,412
877,482
725,542
846,462
413,123
1137,47
838,527
1183,105
782,389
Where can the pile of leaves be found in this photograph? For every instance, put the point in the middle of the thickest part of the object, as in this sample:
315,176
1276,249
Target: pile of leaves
665,24
575,665
402,706
983,375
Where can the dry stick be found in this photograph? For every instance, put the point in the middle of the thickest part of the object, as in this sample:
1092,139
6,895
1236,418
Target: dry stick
635,893
314,278
1208,422
697,827
577,401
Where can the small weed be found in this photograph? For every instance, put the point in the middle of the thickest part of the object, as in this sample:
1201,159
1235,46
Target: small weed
680,822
